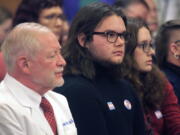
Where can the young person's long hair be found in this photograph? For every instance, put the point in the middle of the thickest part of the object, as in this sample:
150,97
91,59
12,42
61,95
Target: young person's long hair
149,85
78,58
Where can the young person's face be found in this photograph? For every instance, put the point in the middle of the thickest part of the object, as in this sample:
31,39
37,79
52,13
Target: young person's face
106,49
143,52
53,19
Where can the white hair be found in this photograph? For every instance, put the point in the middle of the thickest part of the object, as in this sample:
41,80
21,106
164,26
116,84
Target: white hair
23,39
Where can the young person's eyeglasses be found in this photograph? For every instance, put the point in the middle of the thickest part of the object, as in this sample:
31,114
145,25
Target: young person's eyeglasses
112,36
146,46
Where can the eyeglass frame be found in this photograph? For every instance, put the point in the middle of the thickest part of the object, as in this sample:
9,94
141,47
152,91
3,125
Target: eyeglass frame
53,17
146,47
124,35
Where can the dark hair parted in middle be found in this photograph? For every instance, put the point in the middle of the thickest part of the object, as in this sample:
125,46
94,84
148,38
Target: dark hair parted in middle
29,10
78,58
149,85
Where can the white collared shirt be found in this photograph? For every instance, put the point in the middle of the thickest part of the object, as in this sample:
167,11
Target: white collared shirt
20,106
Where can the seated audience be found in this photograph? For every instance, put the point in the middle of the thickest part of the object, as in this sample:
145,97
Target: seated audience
152,17
133,8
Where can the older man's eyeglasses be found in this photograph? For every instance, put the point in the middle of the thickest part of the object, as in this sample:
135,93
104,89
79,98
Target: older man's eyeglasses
146,46
112,36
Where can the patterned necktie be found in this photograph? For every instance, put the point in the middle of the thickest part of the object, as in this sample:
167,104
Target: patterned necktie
49,114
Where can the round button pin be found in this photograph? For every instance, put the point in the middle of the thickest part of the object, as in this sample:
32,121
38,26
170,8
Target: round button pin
127,104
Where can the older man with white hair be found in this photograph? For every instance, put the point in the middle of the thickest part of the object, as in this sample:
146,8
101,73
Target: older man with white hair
34,64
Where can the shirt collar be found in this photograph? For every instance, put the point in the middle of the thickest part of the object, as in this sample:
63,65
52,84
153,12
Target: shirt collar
24,95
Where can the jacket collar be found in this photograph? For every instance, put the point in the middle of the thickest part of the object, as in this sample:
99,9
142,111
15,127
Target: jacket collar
24,95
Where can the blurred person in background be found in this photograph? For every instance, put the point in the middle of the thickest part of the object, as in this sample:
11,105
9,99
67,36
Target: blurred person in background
65,32
46,12
5,27
133,8
152,17
168,52
5,23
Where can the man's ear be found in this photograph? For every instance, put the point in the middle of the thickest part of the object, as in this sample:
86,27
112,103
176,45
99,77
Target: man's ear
82,39
23,64
173,48
174,51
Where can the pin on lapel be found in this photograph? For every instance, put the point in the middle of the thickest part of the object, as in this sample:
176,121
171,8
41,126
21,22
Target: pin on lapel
158,114
110,106
127,104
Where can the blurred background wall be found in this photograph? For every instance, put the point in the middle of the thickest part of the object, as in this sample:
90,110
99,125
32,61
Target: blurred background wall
10,4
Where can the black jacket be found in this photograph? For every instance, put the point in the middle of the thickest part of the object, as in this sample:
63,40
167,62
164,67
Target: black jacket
103,106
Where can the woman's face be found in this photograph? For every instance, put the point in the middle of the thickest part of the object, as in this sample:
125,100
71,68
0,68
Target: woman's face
143,52
53,19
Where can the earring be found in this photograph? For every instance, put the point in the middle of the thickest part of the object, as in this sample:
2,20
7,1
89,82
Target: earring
177,56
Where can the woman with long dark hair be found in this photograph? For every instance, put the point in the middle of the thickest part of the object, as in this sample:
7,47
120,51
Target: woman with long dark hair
161,109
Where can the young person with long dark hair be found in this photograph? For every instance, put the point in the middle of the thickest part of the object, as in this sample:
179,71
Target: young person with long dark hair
101,102
161,109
